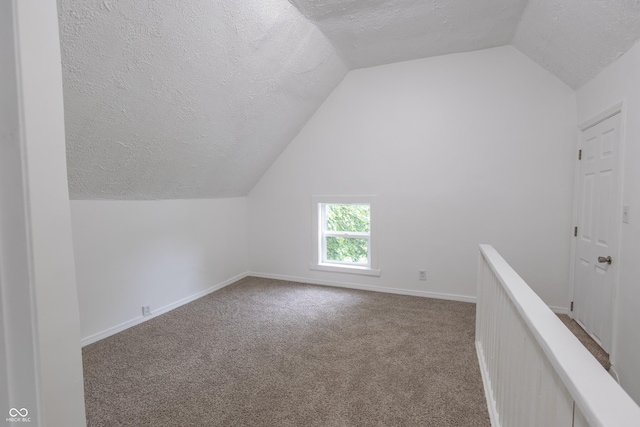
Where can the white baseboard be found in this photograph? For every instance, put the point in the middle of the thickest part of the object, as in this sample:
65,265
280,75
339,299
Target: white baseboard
486,383
136,321
437,295
560,310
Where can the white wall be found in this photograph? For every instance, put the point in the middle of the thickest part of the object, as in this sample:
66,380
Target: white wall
46,198
621,82
159,253
19,363
461,149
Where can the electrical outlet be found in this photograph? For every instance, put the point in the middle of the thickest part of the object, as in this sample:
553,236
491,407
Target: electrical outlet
422,274
146,310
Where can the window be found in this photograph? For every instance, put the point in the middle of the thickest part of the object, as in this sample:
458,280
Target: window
343,239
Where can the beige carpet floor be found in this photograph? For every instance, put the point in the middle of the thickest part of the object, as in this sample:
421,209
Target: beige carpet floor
271,353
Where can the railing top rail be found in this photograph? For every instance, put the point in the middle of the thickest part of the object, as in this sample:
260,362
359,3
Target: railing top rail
600,398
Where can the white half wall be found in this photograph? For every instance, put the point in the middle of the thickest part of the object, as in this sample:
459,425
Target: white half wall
461,149
621,82
160,253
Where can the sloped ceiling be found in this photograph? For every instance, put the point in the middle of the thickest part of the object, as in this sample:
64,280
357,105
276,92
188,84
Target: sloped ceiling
186,99
575,40
374,32
196,98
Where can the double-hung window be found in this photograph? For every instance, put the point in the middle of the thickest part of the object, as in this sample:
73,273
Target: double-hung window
343,234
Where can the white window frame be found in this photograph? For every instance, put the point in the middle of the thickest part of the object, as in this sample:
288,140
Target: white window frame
319,242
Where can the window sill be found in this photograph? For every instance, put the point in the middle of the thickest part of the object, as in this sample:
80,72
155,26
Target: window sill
345,269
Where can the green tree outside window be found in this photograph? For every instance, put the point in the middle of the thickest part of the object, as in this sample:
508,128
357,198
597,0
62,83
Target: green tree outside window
349,218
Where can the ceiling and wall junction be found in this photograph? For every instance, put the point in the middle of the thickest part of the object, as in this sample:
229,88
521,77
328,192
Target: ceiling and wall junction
196,99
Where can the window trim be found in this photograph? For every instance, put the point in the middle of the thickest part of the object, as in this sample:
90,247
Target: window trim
370,269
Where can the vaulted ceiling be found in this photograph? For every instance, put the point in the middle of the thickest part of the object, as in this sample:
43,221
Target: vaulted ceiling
374,32
196,98
576,39
186,99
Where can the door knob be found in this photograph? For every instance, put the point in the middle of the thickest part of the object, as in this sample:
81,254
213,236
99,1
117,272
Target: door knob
604,259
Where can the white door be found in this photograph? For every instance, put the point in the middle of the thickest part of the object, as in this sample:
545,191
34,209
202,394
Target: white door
598,227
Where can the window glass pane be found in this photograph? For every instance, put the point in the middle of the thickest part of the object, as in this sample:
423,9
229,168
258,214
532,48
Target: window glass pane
348,217
348,249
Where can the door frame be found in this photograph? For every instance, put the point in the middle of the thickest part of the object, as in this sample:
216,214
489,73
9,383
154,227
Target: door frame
19,339
40,339
619,108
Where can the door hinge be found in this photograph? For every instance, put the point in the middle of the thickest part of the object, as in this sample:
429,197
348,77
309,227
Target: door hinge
575,231
571,305
579,154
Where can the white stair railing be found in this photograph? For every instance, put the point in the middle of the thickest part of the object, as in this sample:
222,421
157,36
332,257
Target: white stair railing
535,371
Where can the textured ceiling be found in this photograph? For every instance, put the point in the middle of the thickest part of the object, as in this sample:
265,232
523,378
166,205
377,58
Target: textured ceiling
186,99
374,32
575,40
196,98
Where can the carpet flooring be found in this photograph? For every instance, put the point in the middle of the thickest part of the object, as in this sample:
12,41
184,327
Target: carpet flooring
272,353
